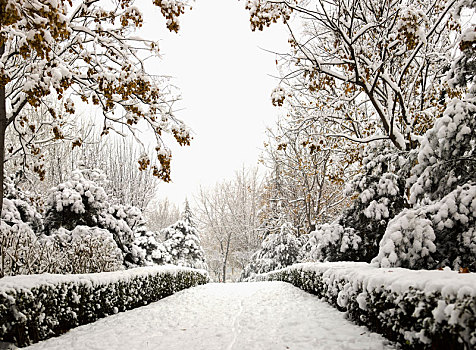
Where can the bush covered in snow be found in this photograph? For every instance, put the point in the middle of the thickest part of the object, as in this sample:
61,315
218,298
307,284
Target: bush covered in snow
419,309
442,233
34,308
153,252
379,192
125,222
82,250
78,201
277,251
82,201
332,242
18,207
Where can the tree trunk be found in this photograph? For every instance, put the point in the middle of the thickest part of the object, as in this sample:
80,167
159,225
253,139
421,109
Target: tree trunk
225,257
3,127
224,270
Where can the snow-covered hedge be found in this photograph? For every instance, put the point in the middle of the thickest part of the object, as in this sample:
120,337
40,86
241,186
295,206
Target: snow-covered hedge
419,309
37,307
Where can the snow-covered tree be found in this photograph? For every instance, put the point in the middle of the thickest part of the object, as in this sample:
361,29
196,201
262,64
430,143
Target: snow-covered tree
307,173
21,206
439,230
278,250
379,192
82,201
182,243
373,69
78,201
230,221
332,242
85,51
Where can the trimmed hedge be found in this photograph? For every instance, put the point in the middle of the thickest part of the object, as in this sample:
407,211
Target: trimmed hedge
37,307
418,309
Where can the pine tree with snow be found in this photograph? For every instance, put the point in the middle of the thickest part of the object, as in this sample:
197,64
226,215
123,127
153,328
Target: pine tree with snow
278,250
82,201
182,243
332,242
440,228
379,191
125,223
78,201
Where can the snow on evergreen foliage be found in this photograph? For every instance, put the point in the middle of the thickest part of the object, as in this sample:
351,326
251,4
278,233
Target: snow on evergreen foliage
439,234
440,228
278,250
78,201
380,195
331,242
446,158
120,220
182,246
18,207
82,201
152,251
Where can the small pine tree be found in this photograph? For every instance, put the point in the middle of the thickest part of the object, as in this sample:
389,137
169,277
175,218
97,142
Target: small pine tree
278,250
182,242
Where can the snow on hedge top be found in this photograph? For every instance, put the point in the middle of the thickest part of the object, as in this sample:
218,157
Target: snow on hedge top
22,282
398,280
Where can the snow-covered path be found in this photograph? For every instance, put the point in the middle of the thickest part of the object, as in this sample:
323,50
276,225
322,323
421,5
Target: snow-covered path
240,316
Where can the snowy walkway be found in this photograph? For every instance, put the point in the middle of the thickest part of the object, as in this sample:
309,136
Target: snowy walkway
240,316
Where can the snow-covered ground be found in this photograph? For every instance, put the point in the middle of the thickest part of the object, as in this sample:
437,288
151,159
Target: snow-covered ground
241,316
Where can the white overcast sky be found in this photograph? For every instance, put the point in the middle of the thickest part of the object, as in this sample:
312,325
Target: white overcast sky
224,76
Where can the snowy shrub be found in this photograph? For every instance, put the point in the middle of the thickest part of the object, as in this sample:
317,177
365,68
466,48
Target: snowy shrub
86,250
83,250
277,251
78,201
82,201
152,251
34,308
20,250
331,242
379,192
18,207
182,246
419,309
442,233
116,218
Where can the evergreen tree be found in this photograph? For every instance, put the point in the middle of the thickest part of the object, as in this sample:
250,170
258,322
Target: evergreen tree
182,242
332,242
278,250
440,228
82,201
379,191
78,201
